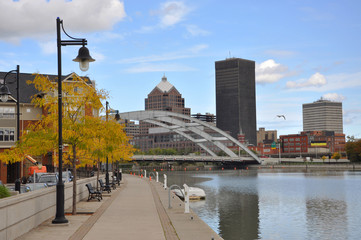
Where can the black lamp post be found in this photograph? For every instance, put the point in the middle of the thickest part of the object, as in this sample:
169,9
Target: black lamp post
117,117
4,96
83,58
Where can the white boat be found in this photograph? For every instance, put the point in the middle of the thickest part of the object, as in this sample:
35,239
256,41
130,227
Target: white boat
194,193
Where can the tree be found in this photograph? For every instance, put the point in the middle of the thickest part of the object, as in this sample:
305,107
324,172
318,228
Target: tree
353,150
79,99
323,158
107,139
336,156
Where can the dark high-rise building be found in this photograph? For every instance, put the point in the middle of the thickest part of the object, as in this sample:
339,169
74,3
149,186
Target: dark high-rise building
236,98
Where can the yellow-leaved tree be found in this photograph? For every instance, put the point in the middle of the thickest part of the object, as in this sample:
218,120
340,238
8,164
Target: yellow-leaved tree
80,100
86,138
107,139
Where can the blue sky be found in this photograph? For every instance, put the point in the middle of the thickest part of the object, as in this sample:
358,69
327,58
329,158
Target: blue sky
304,50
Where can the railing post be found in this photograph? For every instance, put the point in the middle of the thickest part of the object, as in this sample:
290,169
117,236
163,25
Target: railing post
186,198
170,188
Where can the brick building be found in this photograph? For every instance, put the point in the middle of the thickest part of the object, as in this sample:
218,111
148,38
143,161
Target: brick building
313,143
29,114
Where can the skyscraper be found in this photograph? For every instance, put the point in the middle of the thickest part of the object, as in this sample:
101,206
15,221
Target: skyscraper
322,115
236,97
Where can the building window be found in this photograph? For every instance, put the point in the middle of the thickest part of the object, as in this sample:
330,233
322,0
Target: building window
7,112
7,134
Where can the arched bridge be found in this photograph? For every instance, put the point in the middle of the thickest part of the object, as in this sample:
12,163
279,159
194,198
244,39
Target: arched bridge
207,136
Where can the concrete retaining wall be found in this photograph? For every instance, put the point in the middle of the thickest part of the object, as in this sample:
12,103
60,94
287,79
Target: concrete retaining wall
23,212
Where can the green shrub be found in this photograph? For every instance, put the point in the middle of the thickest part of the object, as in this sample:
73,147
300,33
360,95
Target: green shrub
4,192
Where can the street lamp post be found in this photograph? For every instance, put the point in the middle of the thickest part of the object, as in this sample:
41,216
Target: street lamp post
106,118
106,167
4,96
83,58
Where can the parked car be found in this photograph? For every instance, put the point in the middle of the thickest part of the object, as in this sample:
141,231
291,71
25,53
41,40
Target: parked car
50,179
37,176
67,176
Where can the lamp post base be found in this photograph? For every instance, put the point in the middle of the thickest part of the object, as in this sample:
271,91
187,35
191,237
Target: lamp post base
60,214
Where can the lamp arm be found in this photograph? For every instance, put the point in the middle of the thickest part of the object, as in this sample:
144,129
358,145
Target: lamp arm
62,27
12,71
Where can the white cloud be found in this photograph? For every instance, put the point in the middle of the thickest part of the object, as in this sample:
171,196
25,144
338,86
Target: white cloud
97,56
194,30
280,53
172,13
333,97
36,18
187,53
334,82
269,71
316,80
198,48
166,67
48,47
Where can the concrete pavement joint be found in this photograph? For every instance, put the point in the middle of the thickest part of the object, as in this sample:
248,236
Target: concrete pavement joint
168,228
88,224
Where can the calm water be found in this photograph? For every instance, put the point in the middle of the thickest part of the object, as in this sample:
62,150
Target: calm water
278,205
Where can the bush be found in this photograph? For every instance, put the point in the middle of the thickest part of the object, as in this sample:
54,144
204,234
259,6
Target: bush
4,192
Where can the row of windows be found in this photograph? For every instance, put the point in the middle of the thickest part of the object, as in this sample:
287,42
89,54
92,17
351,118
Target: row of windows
7,134
7,112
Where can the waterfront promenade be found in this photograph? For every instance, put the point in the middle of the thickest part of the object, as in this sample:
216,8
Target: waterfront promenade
138,209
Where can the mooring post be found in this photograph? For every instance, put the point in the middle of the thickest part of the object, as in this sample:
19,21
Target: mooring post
186,198
165,181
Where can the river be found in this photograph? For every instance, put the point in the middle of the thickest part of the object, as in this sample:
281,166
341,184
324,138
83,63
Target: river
275,204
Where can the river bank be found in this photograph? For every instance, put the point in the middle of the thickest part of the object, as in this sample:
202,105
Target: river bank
137,209
310,166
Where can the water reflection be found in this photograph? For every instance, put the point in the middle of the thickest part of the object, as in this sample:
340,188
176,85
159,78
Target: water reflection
326,219
278,205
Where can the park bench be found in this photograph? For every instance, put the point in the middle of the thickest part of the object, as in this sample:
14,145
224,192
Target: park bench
105,187
93,194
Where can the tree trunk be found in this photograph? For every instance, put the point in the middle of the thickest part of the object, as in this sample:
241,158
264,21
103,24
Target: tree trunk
98,172
74,179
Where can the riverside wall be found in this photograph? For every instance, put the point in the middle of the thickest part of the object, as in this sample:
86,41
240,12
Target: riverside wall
23,212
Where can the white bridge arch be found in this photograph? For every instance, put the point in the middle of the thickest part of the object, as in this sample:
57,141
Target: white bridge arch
183,124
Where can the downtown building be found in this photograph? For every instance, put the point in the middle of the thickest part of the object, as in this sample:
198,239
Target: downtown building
322,133
164,97
322,115
236,98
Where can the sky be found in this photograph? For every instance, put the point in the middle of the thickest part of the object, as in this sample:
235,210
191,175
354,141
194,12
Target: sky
304,50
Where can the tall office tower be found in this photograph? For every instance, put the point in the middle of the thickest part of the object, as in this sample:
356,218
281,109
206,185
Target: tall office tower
322,115
236,98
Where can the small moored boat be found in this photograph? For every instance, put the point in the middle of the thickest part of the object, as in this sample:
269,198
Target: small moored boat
194,193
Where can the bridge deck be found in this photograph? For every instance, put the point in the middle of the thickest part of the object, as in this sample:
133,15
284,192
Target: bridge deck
191,158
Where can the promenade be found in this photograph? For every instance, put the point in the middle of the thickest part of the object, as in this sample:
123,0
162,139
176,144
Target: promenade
137,209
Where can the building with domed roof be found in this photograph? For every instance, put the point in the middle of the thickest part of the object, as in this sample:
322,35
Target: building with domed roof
165,97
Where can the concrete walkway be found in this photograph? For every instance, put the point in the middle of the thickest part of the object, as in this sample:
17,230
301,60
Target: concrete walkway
132,215
138,209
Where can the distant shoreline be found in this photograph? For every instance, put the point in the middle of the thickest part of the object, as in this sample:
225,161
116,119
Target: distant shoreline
308,166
